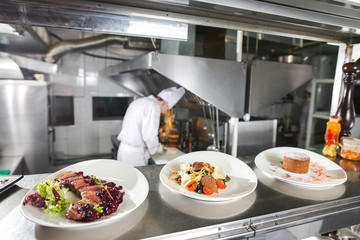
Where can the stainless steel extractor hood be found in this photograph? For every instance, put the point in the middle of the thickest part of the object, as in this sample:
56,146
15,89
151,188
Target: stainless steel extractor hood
270,81
9,69
220,83
11,66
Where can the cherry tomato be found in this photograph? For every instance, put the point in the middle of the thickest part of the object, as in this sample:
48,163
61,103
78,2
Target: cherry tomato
208,165
207,190
220,184
192,186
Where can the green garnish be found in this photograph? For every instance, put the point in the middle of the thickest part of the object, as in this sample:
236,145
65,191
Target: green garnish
96,207
54,196
99,209
99,182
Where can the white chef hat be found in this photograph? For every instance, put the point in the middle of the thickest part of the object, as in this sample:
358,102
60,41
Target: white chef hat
172,95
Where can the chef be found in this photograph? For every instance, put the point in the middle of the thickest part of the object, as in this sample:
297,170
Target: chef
305,105
139,134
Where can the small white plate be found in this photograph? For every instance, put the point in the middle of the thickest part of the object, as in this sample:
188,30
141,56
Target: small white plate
8,181
243,179
270,162
134,184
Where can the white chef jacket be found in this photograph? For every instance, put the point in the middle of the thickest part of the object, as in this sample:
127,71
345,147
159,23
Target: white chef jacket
139,133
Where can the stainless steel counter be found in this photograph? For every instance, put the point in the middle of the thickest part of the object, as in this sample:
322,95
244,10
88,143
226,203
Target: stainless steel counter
275,210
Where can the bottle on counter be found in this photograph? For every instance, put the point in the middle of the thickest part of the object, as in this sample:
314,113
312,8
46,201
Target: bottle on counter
332,136
190,149
346,108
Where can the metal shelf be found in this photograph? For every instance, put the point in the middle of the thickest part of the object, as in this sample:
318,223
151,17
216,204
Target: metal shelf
321,115
312,114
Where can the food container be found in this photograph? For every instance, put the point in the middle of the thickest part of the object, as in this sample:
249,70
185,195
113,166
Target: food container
350,148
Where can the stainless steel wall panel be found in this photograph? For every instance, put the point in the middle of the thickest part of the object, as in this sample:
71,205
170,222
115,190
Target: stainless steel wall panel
24,121
254,136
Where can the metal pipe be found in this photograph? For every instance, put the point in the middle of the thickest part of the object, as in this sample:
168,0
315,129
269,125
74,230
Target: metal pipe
239,41
63,47
217,129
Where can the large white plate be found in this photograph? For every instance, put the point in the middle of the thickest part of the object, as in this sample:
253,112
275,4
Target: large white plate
134,184
243,179
270,162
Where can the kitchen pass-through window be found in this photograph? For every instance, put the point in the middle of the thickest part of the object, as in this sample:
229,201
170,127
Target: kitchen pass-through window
110,108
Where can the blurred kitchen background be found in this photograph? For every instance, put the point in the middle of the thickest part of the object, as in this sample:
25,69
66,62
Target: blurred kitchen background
64,92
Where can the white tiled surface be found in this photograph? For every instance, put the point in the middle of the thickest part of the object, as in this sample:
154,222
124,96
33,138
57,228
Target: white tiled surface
80,76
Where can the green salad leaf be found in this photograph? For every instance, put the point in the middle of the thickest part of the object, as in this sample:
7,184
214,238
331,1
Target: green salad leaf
54,196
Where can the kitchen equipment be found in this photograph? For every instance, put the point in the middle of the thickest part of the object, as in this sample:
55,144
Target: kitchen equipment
254,136
290,59
203,78
24,124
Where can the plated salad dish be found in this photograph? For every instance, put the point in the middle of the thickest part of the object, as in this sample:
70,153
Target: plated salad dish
200,177
106,171
97,197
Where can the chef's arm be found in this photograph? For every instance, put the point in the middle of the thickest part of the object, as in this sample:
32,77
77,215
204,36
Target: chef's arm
150,130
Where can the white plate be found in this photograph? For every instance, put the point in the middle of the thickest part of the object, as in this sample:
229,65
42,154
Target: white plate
8,181
270,162
134,184
316,194
219,210
243,179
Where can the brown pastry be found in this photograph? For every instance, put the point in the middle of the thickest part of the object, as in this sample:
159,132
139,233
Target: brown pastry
296,162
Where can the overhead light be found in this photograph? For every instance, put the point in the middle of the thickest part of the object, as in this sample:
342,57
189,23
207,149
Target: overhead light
334,44
354,1
7,29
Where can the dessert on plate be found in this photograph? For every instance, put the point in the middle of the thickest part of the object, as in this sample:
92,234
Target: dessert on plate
296,162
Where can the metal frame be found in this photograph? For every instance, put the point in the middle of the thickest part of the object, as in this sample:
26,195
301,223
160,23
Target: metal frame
338,25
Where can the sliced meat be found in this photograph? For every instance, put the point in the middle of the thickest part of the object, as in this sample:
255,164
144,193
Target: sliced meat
79,210
72,179
227,178
210,181
92,195
67,175
91,188
175,176
197,166
74,214
77,184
